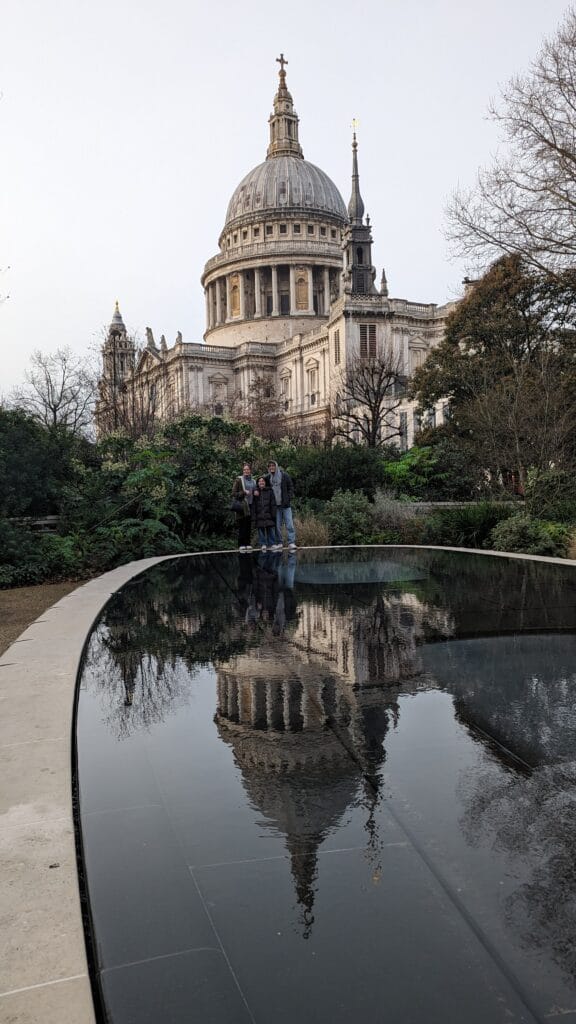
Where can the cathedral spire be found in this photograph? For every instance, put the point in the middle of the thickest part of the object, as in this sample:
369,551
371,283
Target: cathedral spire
117,323
358,273
284,121
355,206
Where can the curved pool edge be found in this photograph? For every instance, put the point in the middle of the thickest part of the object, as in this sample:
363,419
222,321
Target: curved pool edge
44,977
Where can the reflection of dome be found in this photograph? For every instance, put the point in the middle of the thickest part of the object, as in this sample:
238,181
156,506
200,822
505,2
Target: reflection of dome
306,746
286,183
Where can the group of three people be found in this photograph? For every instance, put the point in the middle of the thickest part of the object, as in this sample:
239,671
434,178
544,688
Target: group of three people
266,503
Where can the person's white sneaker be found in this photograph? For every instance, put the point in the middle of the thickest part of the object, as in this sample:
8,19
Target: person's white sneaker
276,547
263,548
291,547
248,547
242,550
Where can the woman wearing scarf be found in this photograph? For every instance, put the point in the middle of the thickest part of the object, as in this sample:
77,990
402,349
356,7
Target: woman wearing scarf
243,491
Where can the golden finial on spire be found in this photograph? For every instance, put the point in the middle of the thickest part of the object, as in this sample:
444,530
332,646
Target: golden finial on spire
354,126
117,309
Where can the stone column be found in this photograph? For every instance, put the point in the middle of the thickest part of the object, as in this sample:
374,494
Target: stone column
326,291
258,708
275,303
218,302
242,295
292,291
257,293
228,300
207,297
324,393
310,289
233,701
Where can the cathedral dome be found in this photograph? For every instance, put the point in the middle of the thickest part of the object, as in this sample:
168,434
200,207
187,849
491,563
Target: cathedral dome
286,182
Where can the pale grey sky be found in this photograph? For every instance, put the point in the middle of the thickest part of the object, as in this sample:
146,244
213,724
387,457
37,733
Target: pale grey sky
126,125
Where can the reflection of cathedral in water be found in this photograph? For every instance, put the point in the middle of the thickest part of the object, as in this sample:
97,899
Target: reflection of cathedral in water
374,642
307,717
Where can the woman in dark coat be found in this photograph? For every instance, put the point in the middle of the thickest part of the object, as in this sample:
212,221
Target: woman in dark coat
264,513
243,492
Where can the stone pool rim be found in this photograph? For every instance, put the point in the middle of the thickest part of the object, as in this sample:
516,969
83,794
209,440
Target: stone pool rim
40,855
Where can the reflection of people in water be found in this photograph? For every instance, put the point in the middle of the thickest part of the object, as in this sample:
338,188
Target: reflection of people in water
266,586
285,608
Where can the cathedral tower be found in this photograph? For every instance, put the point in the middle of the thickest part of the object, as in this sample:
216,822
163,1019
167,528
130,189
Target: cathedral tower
118,351
359,274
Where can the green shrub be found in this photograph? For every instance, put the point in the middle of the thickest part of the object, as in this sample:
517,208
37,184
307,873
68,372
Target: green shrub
348,516
395,522
319,472
465,527
208,542
128,540
304,507
411,475
311,532
552,495
522,534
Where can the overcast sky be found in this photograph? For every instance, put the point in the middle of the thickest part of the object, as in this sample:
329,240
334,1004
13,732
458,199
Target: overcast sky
125,126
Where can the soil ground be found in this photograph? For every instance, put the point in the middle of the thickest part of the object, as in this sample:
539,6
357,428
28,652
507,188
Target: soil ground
19,607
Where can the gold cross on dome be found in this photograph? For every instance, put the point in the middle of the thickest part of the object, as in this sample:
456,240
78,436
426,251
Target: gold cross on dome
355,124
280,60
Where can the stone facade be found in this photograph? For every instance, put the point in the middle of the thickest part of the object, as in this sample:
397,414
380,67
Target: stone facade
290,297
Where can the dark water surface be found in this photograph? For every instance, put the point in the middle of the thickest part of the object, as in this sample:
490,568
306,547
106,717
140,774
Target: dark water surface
333,787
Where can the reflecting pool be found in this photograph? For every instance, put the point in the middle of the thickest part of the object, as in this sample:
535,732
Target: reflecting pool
337,786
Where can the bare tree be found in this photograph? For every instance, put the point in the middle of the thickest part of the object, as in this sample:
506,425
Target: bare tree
59,391
367,395
526,202
260,408
134,405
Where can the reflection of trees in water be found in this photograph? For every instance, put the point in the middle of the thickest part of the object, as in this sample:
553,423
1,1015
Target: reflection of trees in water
518,691
135,691
488,594
533,819
155,633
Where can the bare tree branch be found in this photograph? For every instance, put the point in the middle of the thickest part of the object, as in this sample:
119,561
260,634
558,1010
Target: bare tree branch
526,202
366,397
59,391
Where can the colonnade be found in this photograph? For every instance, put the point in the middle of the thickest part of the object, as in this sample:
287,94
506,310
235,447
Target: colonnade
288,705
273,290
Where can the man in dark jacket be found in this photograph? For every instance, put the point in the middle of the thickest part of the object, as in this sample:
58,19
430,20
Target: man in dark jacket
281,484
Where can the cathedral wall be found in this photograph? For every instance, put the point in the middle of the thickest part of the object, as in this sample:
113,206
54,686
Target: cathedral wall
266,329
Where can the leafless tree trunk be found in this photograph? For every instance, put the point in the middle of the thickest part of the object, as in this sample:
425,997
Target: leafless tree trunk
134,406
526,202
262,409
59,391
366,397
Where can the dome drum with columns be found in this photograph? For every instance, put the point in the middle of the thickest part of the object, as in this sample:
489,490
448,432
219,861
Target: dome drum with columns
291,295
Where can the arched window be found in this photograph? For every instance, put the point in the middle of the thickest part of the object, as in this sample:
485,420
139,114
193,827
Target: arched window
359,256
235,300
